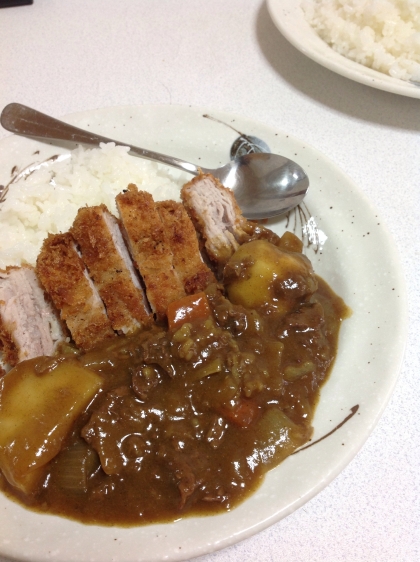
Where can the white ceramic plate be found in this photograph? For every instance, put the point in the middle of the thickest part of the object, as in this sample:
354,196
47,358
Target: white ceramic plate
359,261
289,18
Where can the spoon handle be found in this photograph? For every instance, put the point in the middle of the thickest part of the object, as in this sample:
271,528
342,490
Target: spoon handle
23,120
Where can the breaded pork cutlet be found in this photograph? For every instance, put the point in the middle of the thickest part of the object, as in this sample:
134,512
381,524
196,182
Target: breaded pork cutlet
29,325
149,248
182,237
100,241
64,277
216,216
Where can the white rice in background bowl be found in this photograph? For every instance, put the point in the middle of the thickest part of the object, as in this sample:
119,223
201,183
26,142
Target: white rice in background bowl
380,34
47,200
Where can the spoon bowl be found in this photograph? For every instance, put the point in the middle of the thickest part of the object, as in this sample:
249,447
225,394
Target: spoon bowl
265,185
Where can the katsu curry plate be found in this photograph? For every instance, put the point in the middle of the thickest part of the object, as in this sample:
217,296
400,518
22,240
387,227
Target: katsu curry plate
175,377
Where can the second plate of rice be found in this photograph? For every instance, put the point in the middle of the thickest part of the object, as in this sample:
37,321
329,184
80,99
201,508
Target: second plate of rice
354,35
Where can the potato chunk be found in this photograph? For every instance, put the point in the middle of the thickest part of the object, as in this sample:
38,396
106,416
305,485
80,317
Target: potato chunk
38,406
260,274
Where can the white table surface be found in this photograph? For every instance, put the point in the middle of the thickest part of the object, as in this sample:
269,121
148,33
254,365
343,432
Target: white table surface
67,56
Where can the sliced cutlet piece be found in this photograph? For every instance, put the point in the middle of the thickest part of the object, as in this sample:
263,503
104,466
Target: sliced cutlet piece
149,248
216,216
29,324
182,237
65,278
100,241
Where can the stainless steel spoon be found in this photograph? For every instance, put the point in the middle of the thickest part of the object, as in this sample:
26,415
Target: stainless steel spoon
265,185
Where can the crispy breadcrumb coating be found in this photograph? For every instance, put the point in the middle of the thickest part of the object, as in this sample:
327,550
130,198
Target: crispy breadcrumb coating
149,249
182,238
64,276
100,241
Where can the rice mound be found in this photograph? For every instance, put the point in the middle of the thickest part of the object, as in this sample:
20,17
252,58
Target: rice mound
47,200
381,34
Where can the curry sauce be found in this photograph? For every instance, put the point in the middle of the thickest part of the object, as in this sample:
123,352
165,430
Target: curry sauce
190,417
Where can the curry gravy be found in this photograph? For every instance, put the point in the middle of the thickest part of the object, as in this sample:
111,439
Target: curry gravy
188,420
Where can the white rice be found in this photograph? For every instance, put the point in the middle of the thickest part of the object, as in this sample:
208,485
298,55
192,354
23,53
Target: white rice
381,34
47,200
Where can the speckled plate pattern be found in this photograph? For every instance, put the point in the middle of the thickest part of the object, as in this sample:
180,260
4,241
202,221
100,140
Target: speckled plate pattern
349,246
289,18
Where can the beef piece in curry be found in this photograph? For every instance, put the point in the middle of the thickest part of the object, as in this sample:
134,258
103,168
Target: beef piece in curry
185,418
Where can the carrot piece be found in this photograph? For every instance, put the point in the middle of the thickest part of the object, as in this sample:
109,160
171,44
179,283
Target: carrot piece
243,413
187,309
